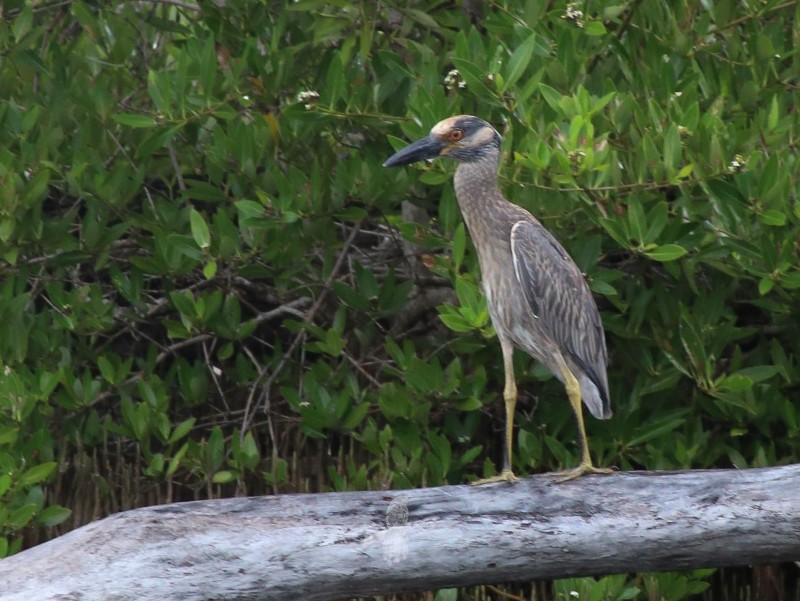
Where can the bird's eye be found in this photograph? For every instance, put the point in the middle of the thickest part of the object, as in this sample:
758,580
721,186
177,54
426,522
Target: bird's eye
456,135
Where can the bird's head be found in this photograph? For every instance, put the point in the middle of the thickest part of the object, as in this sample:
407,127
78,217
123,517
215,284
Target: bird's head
464,138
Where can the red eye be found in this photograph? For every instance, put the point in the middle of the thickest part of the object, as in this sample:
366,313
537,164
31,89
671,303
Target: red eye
456,135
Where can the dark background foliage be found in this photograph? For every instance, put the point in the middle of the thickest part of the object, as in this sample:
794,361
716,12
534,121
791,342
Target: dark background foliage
211,287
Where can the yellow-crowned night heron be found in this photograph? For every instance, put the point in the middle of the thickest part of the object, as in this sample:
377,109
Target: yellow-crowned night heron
537,297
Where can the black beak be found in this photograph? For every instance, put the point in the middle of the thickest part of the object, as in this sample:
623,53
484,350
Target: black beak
426,148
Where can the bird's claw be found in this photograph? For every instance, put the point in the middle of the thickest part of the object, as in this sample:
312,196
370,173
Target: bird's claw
581,470
504,476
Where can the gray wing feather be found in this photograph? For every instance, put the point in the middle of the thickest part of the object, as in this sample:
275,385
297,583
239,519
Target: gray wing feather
560,300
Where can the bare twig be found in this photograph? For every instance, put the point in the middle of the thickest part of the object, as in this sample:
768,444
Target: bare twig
200,338
249,411
176,166
213,370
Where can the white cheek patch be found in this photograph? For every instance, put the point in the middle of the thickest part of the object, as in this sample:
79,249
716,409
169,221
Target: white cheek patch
483,136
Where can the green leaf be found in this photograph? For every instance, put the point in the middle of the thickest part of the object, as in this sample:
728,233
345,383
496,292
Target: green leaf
468,294
181,430
601,287
86,17
637,220
773,217
765,285
37,473
469,404
423,18
617,230
791,281
685,171
519,61
446,594
249,209
21,516
106,369
672,149
175,462
8,434
735,383
657,428
202,190
772,118
459,245
759,373
156,89
133,120
595,28
215,449
350,296
210,270
250,455
657,220
22,22
199,228
184,302
223,477
666,252
768,176
455,322
432,177
156,140
53,515
552,97
186,246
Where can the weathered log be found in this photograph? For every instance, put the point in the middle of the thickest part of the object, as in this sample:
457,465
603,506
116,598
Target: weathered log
336,545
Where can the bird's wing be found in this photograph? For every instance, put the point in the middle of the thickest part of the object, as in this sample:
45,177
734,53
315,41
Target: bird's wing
560,299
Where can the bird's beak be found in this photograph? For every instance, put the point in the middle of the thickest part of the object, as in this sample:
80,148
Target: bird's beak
426,148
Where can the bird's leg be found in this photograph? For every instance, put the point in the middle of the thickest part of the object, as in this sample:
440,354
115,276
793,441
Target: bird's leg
510,398
574,393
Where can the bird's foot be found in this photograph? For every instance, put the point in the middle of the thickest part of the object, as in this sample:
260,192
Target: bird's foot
581,470
504,476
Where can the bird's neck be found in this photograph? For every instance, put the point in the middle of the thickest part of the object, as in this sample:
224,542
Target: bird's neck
477,191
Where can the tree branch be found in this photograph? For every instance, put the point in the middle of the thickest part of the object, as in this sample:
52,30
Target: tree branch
333,545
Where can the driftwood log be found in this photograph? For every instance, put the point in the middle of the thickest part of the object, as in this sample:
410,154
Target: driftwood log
337,545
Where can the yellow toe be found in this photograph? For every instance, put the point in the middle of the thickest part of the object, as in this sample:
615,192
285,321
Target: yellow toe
504,476
581,470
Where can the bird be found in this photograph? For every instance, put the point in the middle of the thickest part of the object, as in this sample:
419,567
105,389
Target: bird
537,297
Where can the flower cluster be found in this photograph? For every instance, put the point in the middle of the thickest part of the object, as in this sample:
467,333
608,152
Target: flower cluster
308,98
738,164
453,80
574,14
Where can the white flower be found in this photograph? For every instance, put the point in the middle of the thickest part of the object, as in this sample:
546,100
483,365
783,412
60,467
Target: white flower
738,164
308,98
453,80
574,14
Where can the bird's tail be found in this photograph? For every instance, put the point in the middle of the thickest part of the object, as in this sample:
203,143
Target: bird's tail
596,400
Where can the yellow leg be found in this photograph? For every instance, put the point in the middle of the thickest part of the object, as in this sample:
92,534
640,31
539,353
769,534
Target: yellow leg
510,398
585,467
